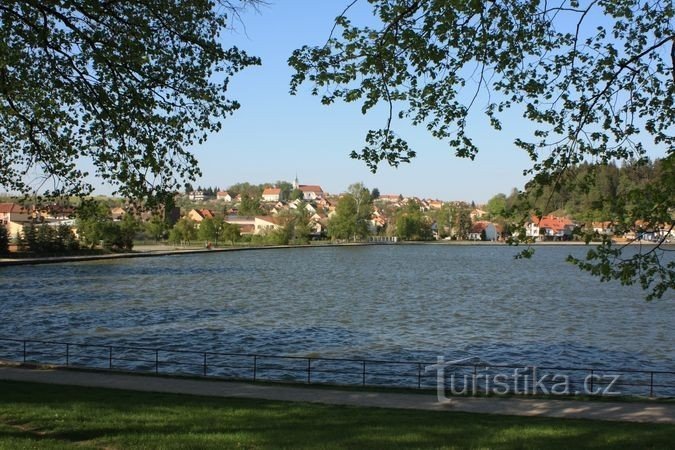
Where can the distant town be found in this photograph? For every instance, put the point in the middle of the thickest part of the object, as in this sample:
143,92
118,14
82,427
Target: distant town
288,213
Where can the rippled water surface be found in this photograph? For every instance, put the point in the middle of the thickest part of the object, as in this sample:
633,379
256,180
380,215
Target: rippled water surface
401,301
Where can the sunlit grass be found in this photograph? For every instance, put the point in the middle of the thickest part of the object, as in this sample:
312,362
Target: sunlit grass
48,416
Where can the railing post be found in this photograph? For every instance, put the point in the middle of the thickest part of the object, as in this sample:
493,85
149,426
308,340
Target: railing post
419,375
67,355
156,361
255,367
363,382
110,357
204,363
309,370
474,379
592,380
651,384
24,350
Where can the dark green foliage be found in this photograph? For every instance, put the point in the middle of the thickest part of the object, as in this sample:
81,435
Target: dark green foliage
253,191
296,194
184,232
46,239
208,230
352,213
453,220
129,86
95,227
92,222
412,225
66,238
30,237
606,192
4,240
230,233
20,242
156,228
286,189
250,206
293,228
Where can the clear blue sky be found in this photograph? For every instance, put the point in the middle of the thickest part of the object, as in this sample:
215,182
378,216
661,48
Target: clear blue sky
275,135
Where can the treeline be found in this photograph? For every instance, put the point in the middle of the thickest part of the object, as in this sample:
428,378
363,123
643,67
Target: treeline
46,239
595,193
40,239
294,228
215,230
4,240
245,188
96,227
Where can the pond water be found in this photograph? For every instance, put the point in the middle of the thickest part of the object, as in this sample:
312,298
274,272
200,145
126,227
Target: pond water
386,302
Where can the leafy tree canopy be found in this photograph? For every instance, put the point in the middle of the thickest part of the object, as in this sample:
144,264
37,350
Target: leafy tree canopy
352,213
582,71
124,86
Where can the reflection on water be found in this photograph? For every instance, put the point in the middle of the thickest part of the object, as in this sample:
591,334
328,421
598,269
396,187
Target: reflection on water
376,302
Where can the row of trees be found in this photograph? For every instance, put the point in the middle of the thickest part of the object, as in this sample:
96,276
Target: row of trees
95,226
46,239
213,230
591,193
352,214
4,240
41,239
294,229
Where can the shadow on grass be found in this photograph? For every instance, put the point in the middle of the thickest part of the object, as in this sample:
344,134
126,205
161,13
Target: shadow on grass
46,416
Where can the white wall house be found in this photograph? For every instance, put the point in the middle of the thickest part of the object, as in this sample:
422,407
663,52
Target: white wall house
265,224
14,216
482,227
224,196
271,194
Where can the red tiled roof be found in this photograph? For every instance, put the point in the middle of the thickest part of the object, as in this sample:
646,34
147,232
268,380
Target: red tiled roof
479,226
310,188
271,191
13,208
552,222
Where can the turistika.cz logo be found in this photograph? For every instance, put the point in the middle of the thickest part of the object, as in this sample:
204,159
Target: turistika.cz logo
520,381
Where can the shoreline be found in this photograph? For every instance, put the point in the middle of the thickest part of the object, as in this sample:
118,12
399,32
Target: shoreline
156,250
165,250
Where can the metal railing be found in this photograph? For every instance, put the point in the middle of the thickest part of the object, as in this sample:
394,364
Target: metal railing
475,378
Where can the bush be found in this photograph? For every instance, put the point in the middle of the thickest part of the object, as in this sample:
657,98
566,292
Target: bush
4,240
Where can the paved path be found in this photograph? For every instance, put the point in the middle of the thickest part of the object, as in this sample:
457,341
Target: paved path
617,411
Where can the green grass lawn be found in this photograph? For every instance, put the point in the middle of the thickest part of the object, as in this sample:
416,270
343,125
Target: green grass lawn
49,416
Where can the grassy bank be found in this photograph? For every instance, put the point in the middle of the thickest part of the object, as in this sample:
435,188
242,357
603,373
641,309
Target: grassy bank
46,416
